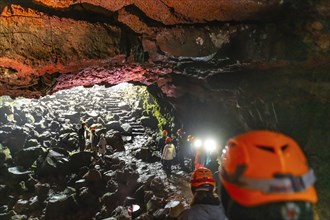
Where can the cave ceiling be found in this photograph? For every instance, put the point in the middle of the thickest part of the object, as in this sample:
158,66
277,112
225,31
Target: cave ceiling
225,66
48,45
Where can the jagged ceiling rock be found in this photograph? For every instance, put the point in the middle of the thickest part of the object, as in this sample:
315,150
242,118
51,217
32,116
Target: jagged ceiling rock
43,38
170,12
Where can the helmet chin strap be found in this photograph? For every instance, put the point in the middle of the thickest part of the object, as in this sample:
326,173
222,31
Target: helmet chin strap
283,184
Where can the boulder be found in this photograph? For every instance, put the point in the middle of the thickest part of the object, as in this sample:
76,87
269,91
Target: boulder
27,156
54,126
4,155
115,140
31,143
6,109
73,116
53,163
15,139
4,195
109,200
41,126
61,205
126,128
144,154
154,204
28,119
17,174
149,121
80,159
121,213
174,208
44,136
42,190
113,125
68,141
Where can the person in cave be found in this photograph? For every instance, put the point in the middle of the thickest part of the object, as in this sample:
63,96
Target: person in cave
82,135
191,151
213,165
94,139
102,145
168,155
205,204
180,143
265,175
161,141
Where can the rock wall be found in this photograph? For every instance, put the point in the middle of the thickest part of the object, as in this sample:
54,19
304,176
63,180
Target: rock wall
41,38
227,66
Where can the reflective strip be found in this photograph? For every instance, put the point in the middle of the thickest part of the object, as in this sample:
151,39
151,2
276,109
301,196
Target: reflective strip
288,184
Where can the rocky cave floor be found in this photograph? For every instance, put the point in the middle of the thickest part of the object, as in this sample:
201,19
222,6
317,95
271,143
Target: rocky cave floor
44,176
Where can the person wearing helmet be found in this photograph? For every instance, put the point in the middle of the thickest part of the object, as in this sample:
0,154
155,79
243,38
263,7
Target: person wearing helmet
94,139
265,175
191,152
205,204
82,135
161,141
213,165
168,155
102,145
181,147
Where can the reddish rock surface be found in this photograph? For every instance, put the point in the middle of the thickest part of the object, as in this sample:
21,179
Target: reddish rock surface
171,12
108,75
43,38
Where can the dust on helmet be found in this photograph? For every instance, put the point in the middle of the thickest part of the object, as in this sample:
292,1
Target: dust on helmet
261,167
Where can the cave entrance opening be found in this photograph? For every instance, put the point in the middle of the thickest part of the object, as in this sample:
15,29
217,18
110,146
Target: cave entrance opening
53,120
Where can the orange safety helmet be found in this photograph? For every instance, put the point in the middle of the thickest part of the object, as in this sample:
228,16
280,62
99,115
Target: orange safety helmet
164,132
168,140
261,167
202,176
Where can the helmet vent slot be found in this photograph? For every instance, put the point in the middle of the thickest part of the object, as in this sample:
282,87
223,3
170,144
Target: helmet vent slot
266,148
284,147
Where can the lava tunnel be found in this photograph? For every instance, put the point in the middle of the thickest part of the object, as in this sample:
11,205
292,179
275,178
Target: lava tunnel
128,70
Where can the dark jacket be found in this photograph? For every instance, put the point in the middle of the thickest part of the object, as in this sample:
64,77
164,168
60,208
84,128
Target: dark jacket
203,212
161,144
206,209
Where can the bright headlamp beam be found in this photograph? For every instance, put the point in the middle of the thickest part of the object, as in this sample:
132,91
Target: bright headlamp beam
210,145
198,143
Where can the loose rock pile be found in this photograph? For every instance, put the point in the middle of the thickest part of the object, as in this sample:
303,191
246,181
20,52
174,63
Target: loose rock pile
43,176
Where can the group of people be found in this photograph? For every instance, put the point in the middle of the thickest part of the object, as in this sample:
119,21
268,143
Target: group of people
174,149
262,175
88,139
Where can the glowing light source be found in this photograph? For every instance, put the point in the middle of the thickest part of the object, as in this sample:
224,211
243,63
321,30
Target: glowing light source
198,143
210,145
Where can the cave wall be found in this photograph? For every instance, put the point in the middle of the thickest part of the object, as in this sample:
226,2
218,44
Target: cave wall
226,66
41,38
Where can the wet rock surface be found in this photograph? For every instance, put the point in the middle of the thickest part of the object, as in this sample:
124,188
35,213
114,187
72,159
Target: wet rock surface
48,178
